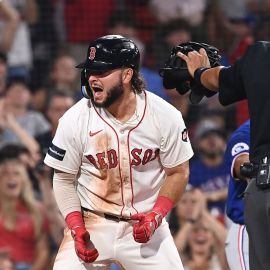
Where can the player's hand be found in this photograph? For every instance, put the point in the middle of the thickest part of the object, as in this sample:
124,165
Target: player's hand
83,245
145,228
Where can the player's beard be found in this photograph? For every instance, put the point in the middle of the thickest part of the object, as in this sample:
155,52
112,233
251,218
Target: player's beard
112,95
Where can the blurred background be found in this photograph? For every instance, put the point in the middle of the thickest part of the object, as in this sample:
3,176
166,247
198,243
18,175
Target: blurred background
41,41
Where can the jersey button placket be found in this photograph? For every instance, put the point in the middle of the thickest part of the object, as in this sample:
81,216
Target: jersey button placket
125,169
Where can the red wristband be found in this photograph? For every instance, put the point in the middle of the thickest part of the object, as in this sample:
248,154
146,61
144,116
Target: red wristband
74,220
163,205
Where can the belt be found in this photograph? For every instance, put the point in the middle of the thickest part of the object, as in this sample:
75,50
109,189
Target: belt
108,216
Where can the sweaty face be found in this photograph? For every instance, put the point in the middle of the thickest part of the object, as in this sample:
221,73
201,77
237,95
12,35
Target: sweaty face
106,88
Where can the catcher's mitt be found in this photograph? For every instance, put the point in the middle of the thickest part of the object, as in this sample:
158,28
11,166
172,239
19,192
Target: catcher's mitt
175,72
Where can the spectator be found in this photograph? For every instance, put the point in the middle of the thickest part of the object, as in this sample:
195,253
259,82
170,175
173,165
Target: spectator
144,18
201,237
16,102
168,35
45,42
122,23
85,20
58,103
5,262
64,75
208,171
192,11
40,177
3,72
56,221
23,223
8,122
9,24
20,55
203,246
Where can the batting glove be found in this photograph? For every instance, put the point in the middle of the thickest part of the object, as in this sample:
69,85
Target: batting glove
145,228
84,247
148,223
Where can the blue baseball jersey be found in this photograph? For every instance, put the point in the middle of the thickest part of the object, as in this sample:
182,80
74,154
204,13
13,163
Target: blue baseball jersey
238,143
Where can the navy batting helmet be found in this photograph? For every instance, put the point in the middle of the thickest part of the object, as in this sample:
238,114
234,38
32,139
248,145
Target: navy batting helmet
107,53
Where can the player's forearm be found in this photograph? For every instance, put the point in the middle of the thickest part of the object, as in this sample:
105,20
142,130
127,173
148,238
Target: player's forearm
175,182
65,193
210,78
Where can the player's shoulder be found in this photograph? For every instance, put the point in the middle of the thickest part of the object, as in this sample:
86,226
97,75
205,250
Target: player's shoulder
239,141
241,133
78,110
160,106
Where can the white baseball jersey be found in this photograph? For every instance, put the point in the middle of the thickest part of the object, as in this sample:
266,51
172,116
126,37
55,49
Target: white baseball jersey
119,166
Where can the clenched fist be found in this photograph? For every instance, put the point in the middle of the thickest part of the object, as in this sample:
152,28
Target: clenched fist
83,245
145,228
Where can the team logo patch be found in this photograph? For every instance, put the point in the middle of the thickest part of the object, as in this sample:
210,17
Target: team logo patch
185,135
239,147
92,53
56,152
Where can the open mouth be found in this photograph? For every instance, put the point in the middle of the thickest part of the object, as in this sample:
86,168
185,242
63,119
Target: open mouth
201,241
97,88
12,185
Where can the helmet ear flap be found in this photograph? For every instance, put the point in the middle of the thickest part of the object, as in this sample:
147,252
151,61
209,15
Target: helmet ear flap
85,88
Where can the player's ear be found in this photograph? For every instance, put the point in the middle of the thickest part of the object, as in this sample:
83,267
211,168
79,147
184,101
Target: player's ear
127,74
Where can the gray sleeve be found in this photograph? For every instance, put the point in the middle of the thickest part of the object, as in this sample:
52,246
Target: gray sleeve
65,192
41,123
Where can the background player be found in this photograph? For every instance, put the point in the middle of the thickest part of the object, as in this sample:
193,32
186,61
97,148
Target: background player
237,153
121,157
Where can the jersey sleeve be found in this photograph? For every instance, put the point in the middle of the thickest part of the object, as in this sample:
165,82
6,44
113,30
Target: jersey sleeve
175,146
237,145
235,81
64,154
231,88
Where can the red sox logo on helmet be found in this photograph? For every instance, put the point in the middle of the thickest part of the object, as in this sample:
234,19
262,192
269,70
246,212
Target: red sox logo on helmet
92,53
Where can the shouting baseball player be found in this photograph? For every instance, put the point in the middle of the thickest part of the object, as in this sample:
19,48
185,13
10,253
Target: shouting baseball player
121,159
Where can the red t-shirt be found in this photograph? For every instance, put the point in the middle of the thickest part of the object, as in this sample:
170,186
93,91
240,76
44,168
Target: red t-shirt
85,20
20,242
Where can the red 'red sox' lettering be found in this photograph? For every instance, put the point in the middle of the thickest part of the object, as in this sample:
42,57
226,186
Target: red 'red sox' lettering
110,160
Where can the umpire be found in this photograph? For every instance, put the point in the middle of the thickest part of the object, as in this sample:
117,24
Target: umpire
248,78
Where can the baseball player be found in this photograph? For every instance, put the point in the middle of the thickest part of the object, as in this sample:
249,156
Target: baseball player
237,153
121,159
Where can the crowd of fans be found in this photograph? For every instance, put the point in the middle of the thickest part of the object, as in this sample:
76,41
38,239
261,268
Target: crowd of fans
40,44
